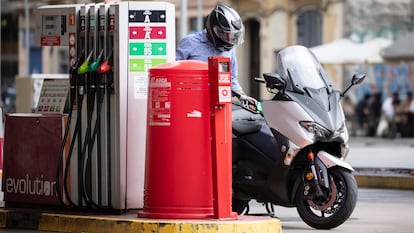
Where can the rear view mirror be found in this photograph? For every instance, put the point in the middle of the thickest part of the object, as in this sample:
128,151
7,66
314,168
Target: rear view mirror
358,78
274,81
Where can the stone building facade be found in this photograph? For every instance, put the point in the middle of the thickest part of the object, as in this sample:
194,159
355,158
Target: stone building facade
270,26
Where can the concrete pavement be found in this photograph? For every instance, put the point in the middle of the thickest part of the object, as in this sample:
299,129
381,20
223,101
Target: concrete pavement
378,163
382,163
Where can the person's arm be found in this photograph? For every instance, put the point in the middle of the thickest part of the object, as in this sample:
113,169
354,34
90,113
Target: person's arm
235,85
183,52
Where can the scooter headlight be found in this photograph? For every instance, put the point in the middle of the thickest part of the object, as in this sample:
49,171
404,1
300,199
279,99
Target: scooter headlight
315,129
342,132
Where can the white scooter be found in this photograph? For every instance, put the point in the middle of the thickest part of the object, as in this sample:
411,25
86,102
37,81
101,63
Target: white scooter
291,151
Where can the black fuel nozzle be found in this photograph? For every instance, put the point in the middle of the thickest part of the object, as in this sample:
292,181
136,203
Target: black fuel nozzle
93,68
73,79
83,69
74,69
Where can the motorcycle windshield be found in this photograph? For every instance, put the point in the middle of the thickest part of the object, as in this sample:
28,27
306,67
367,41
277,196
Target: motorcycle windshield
308,85
299,67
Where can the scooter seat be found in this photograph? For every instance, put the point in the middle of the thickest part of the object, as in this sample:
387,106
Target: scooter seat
244,121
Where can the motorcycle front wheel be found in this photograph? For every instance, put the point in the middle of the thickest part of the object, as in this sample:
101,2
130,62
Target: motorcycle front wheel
330,212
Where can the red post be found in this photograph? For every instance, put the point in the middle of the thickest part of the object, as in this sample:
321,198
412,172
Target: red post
221,136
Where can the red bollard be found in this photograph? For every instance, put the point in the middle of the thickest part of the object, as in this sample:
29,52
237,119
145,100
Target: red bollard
188,157
178,181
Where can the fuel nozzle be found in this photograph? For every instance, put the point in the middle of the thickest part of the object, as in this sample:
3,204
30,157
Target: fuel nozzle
93,67
105,68
84,67
74,68
74,77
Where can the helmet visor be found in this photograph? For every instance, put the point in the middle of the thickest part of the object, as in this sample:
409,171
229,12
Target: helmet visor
230,37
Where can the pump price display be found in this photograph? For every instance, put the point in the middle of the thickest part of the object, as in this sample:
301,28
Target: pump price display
144,64
148,48
51,33
147,16
147,45
147,32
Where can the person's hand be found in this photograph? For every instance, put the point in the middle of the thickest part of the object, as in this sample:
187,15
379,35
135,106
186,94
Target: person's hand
249,103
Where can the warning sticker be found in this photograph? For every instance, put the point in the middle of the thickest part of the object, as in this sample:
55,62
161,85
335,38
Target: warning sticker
160,100
50,40
225,94
141,87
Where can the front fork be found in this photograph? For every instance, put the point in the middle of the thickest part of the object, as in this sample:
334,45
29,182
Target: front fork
316,177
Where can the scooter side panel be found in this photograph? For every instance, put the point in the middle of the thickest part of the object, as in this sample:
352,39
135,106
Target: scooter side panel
284,116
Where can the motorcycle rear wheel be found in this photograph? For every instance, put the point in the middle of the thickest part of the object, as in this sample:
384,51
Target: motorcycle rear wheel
240,206
337,209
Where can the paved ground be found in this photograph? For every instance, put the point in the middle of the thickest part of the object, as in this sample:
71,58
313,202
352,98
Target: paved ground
381,153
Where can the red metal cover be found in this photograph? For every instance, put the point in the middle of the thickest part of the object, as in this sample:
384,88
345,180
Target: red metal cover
178,179
31,148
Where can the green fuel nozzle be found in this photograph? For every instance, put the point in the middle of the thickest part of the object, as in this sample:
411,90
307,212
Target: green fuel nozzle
84,68
93,67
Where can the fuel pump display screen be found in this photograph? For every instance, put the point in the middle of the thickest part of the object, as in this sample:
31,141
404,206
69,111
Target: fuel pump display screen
50,25
223,67
56,24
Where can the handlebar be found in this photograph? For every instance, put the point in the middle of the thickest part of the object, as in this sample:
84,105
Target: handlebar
247,103
260,80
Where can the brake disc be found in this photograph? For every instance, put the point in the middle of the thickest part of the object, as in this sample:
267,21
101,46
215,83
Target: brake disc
326,205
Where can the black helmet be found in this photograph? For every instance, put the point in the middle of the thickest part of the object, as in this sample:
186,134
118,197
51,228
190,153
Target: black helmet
224,27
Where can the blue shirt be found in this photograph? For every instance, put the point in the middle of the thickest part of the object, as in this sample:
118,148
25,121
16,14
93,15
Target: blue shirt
196,46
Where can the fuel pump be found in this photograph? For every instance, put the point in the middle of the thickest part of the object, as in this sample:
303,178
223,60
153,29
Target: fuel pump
115,45
58,25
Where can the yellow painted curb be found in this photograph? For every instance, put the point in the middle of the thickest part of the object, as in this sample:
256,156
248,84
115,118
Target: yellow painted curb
3,218
74,223
387,182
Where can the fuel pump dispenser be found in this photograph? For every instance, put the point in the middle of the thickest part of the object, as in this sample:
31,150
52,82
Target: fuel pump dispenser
150,31
111,48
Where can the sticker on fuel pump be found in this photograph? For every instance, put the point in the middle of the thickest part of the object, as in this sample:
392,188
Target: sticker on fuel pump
224,94
148,48
147,16
147,32
144,64
50,40
224,78
141,87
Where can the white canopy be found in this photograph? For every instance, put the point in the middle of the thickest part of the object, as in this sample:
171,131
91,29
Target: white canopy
402,49
345,51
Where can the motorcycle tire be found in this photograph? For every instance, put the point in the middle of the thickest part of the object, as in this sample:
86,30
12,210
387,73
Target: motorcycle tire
241,207
337,209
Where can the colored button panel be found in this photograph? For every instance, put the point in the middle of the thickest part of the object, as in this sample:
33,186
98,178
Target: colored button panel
144,64
148,48
147,16
147,32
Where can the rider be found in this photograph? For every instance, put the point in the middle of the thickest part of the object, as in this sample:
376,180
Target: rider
224,29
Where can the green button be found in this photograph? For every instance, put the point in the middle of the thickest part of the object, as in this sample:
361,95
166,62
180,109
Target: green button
148,48
144,64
